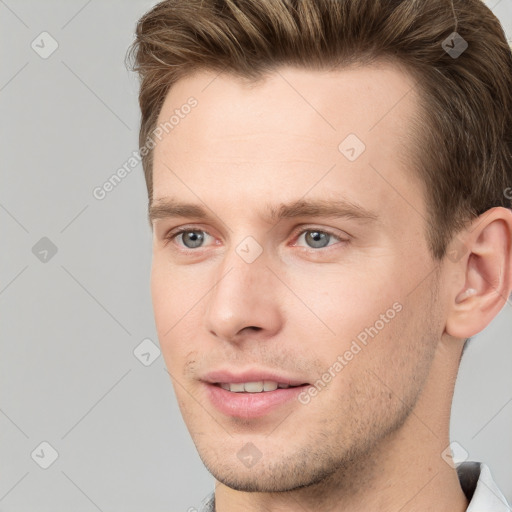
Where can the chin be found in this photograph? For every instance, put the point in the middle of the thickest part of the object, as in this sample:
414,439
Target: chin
302,469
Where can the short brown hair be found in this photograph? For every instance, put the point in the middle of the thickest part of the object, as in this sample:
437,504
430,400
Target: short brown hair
462,138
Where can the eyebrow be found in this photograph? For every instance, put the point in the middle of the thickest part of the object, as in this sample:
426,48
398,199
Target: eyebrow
341,208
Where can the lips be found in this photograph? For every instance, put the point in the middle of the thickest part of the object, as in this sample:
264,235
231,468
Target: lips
251,394
262,386
251,376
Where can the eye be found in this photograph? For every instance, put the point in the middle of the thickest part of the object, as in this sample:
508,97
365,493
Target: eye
318,239
189,238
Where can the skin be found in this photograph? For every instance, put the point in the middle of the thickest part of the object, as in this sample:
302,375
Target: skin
373,438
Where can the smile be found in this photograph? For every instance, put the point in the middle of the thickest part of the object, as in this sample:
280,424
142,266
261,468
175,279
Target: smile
253,387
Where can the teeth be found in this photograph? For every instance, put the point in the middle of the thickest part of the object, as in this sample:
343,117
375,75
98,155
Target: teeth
237,388
253,387
269,385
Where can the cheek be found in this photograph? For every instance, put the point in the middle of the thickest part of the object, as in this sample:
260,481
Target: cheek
360,324
174,291
344,302
398,352
376,374
164,300
174,299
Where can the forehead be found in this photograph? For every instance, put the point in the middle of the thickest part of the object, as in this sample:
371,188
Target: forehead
279,136
357,97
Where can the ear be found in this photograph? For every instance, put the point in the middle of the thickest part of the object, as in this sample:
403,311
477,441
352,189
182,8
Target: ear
480,261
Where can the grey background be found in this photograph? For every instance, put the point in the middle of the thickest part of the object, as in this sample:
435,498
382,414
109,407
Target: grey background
70,324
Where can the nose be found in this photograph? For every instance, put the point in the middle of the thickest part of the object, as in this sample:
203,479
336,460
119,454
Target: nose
244,302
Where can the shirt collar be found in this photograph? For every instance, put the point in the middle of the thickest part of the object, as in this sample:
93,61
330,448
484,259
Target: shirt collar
480,488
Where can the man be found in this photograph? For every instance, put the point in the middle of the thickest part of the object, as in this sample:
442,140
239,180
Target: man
327,186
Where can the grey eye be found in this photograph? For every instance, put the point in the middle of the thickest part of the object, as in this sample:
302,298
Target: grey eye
192,239
317,239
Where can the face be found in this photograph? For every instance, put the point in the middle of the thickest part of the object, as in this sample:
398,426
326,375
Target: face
288,252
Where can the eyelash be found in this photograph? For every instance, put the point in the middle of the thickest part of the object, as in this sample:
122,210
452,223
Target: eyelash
170,236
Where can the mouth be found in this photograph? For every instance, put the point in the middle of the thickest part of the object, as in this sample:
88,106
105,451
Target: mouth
254,399
261,386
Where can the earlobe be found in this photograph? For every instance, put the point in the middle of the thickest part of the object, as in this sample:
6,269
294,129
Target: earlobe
487,271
